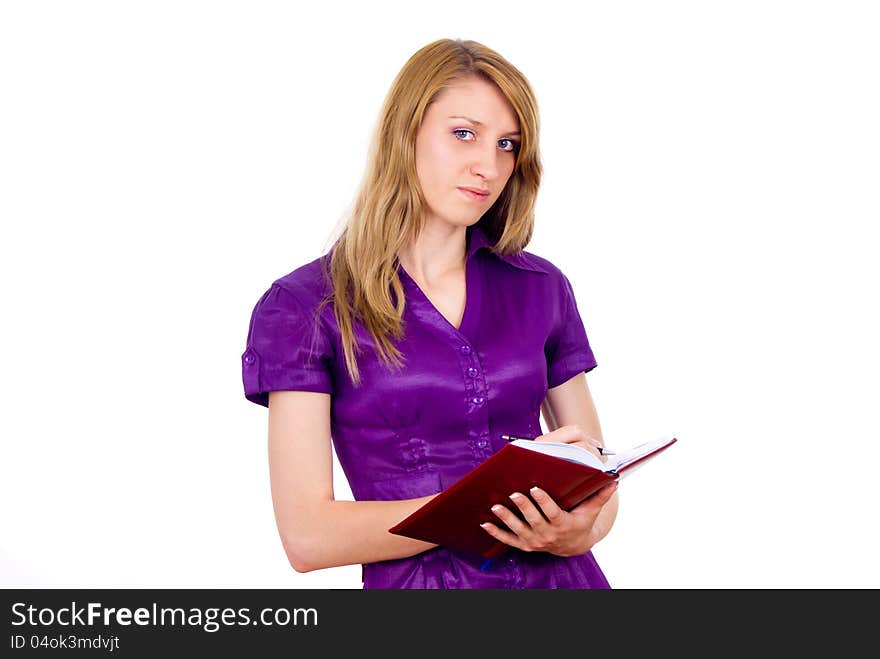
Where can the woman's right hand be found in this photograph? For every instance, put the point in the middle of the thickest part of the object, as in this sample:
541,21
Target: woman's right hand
574,434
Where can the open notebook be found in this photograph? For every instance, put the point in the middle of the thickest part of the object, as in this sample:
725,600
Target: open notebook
569,474
618,463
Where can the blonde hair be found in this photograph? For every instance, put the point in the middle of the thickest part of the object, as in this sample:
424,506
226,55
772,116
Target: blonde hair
388,208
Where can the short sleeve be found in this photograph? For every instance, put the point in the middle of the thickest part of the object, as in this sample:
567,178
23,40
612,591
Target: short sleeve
567,349
287,348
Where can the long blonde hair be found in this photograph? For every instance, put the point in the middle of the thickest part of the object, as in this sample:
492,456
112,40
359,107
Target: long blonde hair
388,208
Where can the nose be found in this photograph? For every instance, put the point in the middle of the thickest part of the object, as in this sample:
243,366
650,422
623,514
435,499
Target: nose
486,162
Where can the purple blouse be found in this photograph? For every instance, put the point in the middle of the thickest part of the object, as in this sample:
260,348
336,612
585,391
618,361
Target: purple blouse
410,433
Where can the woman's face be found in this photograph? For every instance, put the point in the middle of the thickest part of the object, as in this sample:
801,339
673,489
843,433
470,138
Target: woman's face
454,152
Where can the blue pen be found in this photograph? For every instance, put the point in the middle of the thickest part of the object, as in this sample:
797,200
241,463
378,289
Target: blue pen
510,438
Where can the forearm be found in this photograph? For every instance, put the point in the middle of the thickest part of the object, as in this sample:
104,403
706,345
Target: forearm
571,404
604,521
335,533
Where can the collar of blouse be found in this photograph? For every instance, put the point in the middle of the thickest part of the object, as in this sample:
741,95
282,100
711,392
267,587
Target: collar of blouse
479,240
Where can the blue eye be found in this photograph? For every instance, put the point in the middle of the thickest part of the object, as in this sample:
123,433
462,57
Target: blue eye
514,146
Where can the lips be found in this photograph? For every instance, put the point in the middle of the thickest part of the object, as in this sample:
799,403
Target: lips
476,191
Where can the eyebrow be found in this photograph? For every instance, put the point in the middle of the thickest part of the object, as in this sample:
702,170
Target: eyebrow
480,123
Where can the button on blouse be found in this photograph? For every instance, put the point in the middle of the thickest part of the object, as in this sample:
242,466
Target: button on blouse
413,432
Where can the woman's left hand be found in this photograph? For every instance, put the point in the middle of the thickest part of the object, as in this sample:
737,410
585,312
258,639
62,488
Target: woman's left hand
555,531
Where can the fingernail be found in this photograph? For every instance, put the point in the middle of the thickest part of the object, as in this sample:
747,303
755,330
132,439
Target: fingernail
594,442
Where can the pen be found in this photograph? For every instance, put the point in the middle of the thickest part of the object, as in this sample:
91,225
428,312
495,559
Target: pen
510,438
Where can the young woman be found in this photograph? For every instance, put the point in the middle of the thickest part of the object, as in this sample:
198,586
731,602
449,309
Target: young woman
424,334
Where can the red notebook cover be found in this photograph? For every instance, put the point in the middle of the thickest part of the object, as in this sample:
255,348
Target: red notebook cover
453,517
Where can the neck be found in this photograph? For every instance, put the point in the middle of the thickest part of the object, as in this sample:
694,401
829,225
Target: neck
437,252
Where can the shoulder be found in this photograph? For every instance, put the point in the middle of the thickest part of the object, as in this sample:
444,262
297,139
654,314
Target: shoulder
541,283
293,299
308,283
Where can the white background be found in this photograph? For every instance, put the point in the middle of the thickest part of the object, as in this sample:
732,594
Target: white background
711,190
